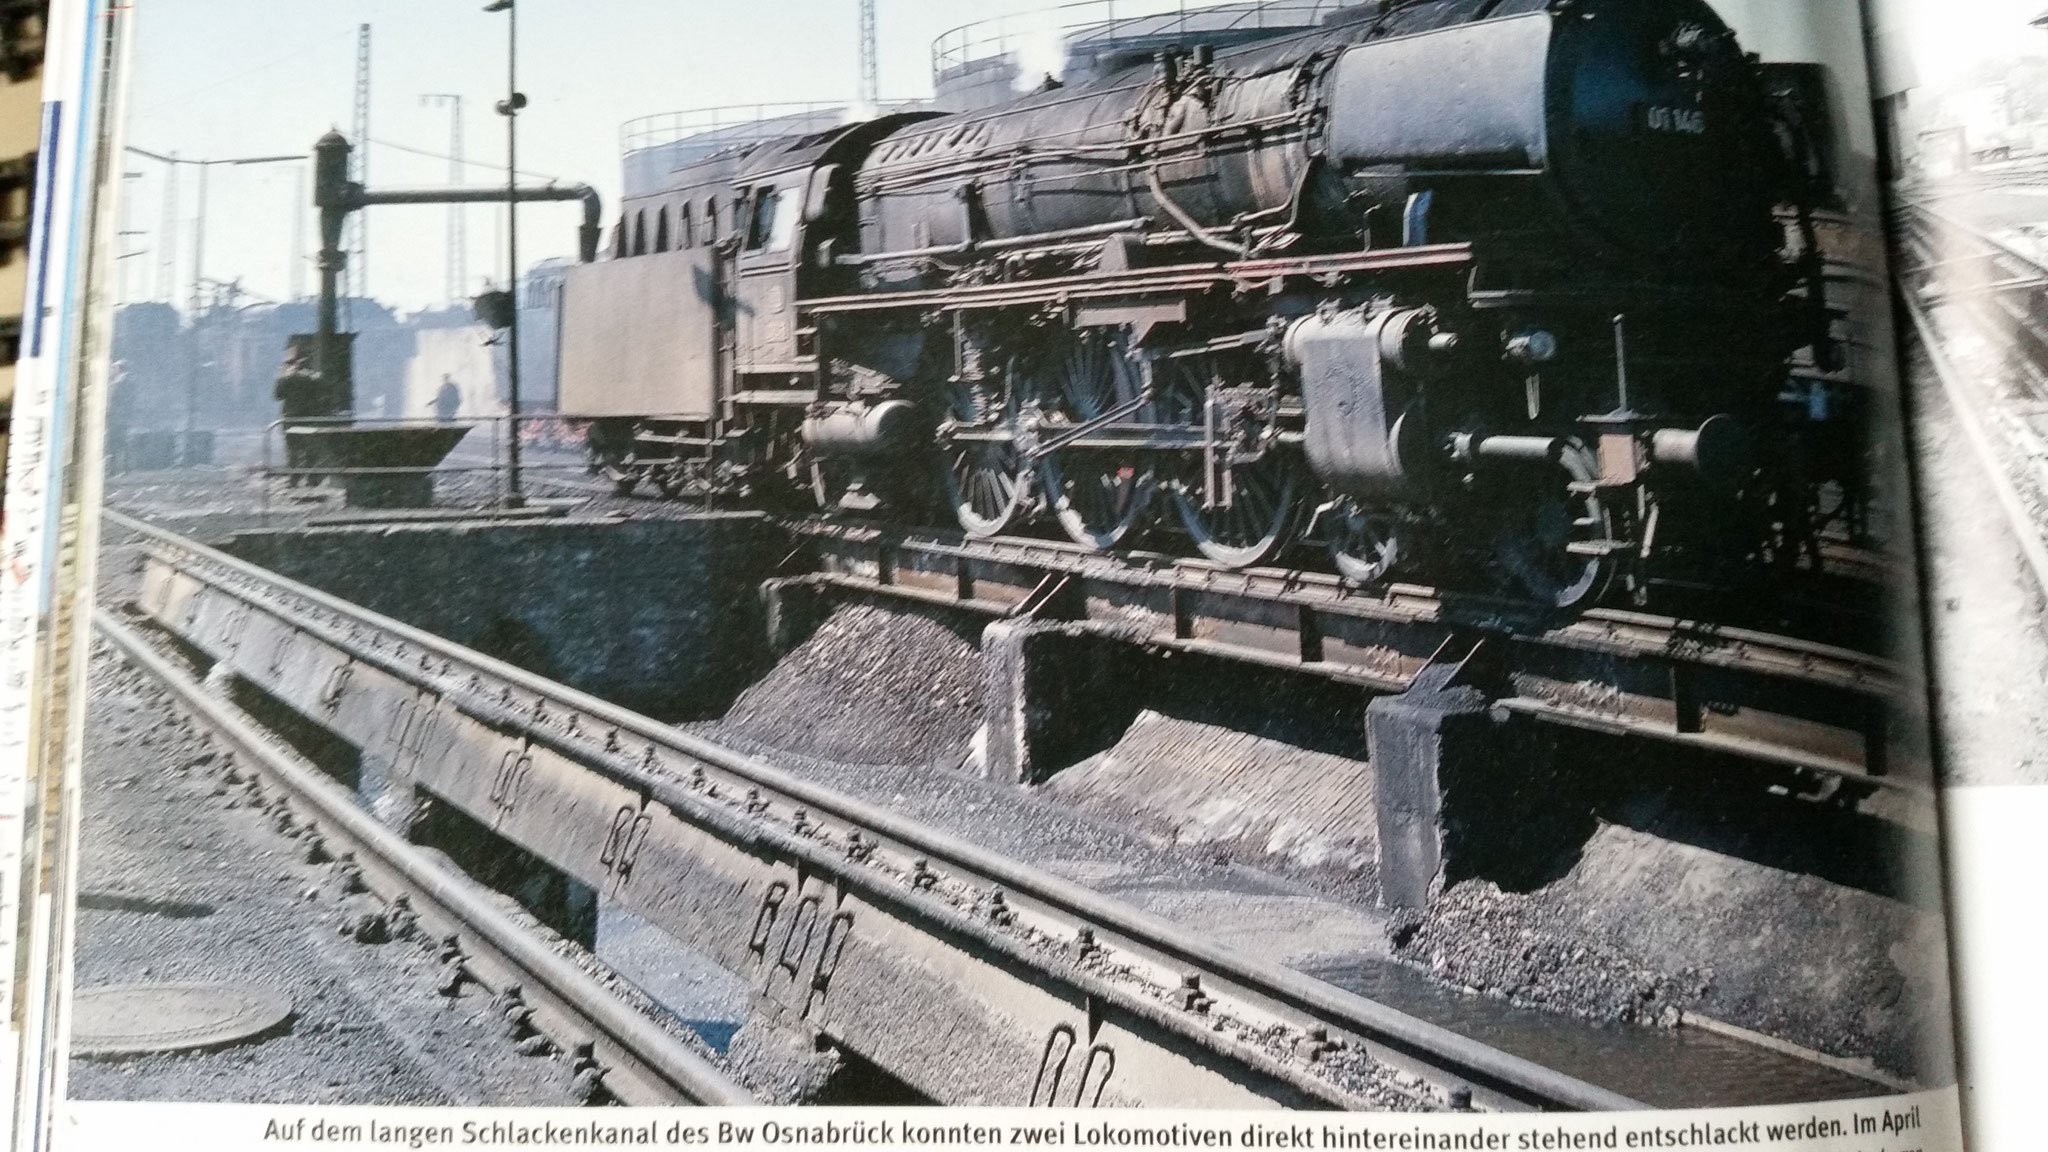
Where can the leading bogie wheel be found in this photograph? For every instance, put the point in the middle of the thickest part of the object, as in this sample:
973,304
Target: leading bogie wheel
1364,542
1556,539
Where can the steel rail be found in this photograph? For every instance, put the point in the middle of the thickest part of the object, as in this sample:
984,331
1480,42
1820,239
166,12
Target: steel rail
1498,1078
1621,631
1999,249
644,1064
1776,700
2026,530
2012,303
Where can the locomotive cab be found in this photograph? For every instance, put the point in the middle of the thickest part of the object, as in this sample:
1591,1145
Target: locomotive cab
764,282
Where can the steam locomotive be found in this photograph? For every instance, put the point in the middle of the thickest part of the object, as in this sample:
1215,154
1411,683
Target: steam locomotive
1500,290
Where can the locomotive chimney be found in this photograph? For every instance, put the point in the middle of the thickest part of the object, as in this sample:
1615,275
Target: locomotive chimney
1169,68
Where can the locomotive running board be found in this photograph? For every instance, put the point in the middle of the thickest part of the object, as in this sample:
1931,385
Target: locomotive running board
971,977
1152,282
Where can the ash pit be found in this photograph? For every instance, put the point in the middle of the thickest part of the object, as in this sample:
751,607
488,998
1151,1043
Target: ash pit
1257,776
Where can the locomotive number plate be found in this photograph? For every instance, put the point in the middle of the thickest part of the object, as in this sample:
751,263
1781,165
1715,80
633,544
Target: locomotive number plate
1684,121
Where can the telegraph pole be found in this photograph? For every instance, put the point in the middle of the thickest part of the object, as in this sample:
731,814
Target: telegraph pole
167,260
199,242
167,268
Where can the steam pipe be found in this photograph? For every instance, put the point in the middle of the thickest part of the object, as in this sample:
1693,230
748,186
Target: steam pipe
335,195
586,234
1472,447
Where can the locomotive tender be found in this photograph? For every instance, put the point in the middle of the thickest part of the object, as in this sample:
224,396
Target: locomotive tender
1487,286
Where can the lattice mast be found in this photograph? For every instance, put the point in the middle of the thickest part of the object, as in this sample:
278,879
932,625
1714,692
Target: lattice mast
357,242
458,241
870,61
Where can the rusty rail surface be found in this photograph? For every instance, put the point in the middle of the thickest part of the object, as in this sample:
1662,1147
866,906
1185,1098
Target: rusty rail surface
643,1064
853,922
1772,699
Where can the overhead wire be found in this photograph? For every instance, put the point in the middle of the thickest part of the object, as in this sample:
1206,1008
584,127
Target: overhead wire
465,162
153,106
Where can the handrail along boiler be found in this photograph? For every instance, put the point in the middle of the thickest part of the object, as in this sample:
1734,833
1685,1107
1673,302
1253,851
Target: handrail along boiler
1493,286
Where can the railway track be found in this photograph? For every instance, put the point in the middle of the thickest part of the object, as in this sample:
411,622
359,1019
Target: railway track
1745,694
1742,693
2003,293
852,922
2003,287
642,1063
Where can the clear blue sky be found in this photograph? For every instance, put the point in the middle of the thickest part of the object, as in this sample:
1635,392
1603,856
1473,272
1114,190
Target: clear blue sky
226,78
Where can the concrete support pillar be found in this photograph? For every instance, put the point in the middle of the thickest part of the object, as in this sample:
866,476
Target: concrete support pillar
1419,743
1055,693
1464,792
794,607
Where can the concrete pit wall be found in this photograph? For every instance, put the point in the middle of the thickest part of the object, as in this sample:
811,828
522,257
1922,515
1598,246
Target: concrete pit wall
1558,869
663,617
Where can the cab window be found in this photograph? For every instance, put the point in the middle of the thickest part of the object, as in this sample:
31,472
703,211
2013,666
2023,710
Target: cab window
774,220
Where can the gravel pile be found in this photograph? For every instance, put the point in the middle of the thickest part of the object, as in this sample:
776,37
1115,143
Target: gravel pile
870,686
1495,944
1223,792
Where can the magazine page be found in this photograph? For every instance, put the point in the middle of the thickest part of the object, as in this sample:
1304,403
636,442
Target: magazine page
1151,556
52,244
1963,108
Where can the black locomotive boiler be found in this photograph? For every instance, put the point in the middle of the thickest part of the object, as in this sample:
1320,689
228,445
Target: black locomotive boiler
1503,289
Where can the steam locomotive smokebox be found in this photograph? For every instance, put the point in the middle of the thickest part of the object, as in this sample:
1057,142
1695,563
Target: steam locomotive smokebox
379,467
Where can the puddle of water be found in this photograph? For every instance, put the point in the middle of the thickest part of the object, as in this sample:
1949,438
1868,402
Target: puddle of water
1665,1068
708,1000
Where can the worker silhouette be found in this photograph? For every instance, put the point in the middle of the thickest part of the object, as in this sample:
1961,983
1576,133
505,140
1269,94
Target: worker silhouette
448,401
